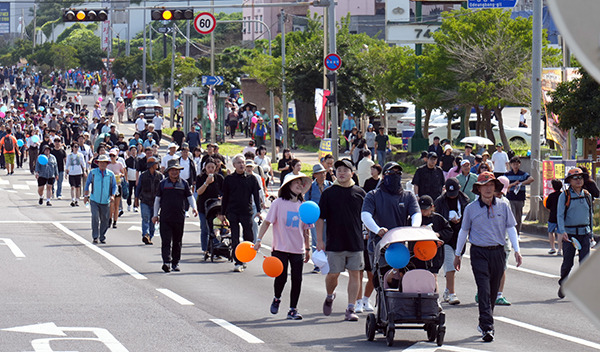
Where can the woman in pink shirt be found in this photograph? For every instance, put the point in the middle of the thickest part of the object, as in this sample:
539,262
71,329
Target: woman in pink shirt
291,238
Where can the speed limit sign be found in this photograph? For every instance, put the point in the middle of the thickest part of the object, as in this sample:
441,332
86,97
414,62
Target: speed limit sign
205,22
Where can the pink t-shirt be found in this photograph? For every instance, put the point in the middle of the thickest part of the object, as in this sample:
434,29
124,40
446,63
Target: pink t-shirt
287,227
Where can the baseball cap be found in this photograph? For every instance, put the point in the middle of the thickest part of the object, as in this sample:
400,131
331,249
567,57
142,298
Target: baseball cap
172,145
452,187
344,162
432,155
466,161
425,202
391,165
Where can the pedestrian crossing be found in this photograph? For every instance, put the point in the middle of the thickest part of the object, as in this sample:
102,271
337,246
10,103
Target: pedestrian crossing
20,183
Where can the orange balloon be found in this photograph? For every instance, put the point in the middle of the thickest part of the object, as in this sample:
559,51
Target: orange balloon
245,251
425,250
272,266
545,200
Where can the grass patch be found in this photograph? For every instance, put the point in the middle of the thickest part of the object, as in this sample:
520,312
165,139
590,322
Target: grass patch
305,169
229,149
395,140
168,130
309,148
408,168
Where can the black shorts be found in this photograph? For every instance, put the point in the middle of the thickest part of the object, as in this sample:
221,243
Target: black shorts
75,180
368,266
42,181
279,143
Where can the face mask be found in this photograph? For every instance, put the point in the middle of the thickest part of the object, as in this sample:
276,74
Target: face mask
393,183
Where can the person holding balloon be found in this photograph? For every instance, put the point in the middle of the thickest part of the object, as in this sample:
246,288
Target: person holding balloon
46,172
291,238
33,143
10,148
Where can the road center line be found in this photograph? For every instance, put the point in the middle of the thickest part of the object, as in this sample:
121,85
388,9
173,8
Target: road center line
528,271
248,337
126,268
177,298
428,347
549,332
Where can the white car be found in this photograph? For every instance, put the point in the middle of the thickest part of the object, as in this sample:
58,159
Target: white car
514,135
145,104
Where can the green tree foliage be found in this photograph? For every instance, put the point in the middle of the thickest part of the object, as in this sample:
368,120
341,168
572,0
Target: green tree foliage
577,104
186,72
130,67
87,45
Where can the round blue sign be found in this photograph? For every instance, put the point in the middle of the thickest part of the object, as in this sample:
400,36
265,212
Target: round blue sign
333,62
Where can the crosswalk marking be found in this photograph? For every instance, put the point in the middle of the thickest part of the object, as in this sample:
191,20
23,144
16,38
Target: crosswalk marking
21,186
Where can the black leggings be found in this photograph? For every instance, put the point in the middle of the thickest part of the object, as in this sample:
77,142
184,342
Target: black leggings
296,262
131,190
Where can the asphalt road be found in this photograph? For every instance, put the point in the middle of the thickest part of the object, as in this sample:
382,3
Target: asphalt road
61,293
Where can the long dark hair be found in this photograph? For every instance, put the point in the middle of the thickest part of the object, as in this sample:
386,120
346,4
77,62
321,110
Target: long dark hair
458,160
286,193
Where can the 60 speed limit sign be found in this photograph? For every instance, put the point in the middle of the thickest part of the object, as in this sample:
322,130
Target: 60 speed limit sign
205,23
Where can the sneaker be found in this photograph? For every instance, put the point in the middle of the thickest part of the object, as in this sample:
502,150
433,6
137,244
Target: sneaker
327,305
150,241
176,267
502,301
166,268
316,270
367,306
135,209
446,295
145,239
238,268
358,307
275,306
487,336
244,265
187,214
559,254
452,299
103,241
129,208
561,294
552,251
76,203
294,315
48,204
350,315
95,241
114,225
41,201
120,212
73,203
58,197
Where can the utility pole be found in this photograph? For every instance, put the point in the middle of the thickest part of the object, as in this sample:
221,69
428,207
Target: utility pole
333,84
173,76
22,23
144,53
187,34
325,124
284,108
164,45
536,99
128,44
213,123
151,43
34,25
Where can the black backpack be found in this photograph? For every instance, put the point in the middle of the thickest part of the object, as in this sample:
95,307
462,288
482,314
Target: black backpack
8,143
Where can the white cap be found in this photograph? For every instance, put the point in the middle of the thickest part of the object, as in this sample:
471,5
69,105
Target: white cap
466,161
447,147
172,145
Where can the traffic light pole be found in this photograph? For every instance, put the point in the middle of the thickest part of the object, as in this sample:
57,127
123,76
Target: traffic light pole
173,114
335,149
144,54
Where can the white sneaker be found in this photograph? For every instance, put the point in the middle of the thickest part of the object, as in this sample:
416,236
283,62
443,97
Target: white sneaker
135,209
446,295
187,215
129,208
452,299
59,197
358,307
367,306
238,268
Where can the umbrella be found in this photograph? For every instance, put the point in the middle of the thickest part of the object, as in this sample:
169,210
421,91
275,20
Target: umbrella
476,140
252,106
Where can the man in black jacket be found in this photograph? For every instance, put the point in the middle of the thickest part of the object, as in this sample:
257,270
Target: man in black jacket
451,205
146,190
239,189
429,178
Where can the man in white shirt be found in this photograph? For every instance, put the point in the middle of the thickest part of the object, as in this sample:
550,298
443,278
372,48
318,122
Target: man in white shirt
500,160
364,167
117,92
157,121
140,123
170,155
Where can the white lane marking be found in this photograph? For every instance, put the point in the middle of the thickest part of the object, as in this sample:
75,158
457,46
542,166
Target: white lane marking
21,187
248,337
11,191
528,271
177,298
4,182
126,268
427,347
31,183
135,228
30,194
549,332
13,247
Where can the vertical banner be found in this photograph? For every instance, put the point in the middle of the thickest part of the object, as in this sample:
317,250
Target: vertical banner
4,17
210,105
105,43
325,147
547,176
320,101
551,77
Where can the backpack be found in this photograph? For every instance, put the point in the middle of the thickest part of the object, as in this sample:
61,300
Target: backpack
588,198
8,143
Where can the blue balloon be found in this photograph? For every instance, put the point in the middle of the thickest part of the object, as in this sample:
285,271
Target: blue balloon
42,108
397,255
35,138
42,159
20,143
309,212
240,101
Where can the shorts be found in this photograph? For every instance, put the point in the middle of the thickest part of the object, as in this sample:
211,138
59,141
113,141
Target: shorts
75,180
448,258
119,191
42,181
9,158
552,227
340,261
367,259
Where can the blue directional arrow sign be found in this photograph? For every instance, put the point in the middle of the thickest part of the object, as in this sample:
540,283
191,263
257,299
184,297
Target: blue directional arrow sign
212,80
491,4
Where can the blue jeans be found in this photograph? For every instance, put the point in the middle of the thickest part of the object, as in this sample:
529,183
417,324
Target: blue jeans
203,231
61,176
147,225
381,154
100,215
569,252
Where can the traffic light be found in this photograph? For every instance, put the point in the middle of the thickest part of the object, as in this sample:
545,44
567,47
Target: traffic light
85,15
172,14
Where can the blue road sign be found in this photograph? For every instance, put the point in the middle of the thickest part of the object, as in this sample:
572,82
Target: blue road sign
333,62
212,80
491,4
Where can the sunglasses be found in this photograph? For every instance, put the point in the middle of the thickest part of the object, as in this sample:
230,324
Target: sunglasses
577,177
393,172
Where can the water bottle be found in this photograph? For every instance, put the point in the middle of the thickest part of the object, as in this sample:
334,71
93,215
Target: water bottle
517,188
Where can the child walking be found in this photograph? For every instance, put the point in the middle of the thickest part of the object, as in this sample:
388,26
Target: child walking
291,238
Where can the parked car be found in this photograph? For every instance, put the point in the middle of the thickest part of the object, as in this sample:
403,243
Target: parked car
514,135
145,104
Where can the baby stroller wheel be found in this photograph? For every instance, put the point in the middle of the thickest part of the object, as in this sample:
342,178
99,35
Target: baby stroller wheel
371,327
431,331
390,330
440,335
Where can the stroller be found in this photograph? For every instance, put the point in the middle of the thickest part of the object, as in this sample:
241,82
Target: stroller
219,235
408,298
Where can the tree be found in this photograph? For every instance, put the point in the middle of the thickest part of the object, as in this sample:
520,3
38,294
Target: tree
186,72
577,104
130,67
